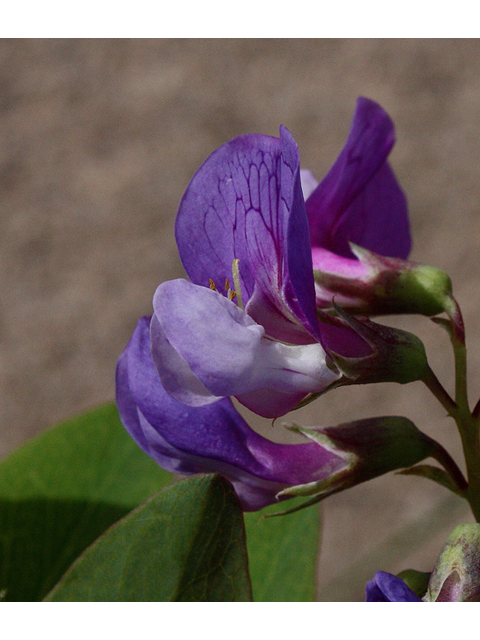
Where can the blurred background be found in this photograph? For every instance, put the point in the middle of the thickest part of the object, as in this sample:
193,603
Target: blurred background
98,140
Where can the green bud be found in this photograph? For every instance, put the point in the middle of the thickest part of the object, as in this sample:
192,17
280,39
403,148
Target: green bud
456,576
370,448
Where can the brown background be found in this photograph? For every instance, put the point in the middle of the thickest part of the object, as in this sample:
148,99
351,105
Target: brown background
98,139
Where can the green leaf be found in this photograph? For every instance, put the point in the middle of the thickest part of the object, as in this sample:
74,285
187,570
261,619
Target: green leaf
63,489
283,553
186,543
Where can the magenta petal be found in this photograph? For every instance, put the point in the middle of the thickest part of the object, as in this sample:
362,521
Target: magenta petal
214,438
270,403
359,200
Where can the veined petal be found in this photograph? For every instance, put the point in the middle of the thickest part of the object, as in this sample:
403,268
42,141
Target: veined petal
211,438
359,200
245,203
219,346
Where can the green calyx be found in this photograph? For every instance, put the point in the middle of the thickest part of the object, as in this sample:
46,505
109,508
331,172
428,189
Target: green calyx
389,285
423,289
365,449
397,356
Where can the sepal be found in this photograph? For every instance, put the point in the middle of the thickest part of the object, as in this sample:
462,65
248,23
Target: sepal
456,576
369,448
397,356
417,581
383,285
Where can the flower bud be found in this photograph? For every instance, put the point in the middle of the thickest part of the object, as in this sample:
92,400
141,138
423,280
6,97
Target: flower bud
380,285
370,448
456,576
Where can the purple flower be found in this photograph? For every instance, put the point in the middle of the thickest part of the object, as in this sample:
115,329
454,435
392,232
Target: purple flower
386,587
215,438
211,438
246,324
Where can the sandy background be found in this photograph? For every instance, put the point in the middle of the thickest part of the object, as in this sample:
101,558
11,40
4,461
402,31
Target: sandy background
98,140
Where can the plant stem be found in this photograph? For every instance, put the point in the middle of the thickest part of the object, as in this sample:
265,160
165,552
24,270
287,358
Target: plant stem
438,390
441,455
466,423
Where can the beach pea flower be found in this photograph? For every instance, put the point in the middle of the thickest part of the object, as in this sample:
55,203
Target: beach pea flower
215,438
246,324
359,200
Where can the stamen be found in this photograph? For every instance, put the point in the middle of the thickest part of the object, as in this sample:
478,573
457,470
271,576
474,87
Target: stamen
212,285
236,282
227,285
231,294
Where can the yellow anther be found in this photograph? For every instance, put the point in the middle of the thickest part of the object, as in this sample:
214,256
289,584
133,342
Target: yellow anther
212,285
227,285
231,294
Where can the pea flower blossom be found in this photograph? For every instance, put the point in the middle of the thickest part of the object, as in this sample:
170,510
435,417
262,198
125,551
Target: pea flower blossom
246,324
359,201
243,221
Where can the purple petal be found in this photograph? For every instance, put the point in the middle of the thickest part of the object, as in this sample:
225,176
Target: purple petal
246,203
214,438
359,200
386,587
202,341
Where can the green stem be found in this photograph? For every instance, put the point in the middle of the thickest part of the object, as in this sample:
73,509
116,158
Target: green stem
442,456
436,387
466,423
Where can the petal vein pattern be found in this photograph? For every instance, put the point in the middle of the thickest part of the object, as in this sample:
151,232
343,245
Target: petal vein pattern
245,203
